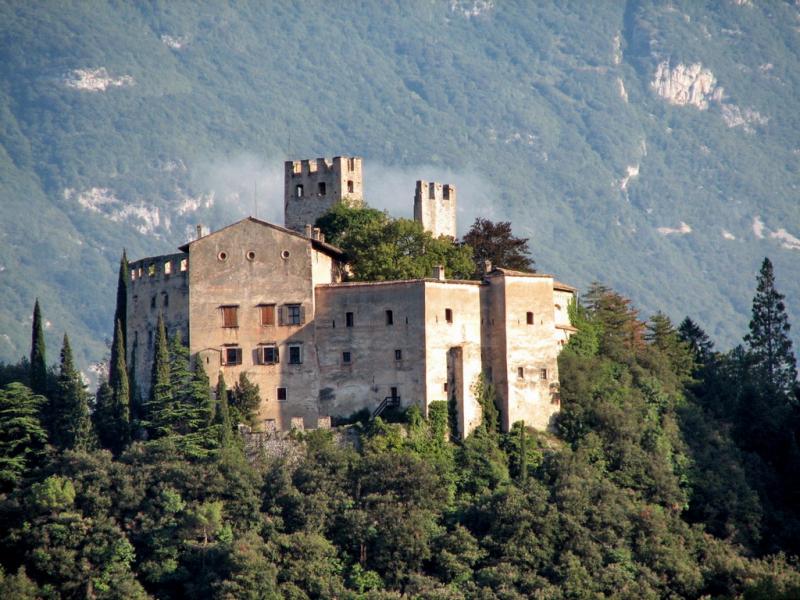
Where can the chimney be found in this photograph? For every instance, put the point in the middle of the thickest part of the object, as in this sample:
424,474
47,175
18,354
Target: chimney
316,233
438,272
487,267
199,231
308,230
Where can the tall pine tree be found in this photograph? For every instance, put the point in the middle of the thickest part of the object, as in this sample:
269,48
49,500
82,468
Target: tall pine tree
38,365
22,435
72,425
770,347
160,398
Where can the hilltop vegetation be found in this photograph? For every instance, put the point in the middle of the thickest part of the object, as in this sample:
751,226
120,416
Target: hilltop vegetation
124,125
671,473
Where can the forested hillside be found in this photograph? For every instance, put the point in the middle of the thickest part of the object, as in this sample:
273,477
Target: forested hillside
671,472
648,145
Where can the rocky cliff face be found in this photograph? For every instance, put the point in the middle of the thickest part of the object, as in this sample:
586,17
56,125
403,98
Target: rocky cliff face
684,85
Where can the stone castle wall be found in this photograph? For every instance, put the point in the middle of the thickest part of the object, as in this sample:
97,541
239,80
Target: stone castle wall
312,187
435,207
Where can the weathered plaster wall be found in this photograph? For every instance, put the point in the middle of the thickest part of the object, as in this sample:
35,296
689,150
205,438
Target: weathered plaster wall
279,273
372,342
530,351
158,285
453,349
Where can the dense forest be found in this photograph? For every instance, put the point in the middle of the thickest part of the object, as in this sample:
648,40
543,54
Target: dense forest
127,124
673,471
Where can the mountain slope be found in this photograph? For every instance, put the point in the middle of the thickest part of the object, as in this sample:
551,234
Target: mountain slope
123,126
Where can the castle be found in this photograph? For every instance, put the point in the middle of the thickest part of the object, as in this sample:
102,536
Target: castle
271,302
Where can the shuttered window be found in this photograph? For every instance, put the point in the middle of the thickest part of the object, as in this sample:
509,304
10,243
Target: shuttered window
292,314
267,314
230,316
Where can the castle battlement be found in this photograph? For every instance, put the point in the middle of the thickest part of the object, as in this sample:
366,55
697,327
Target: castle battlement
435,207
313,186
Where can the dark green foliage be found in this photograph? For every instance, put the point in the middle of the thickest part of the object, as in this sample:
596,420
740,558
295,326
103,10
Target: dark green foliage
700,344
495,243
244,401
22,435
117,423
222,414
382,248
656,486
38,366
121,311
70,425
770,347
158,409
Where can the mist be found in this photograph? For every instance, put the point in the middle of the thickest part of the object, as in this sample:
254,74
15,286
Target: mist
250,185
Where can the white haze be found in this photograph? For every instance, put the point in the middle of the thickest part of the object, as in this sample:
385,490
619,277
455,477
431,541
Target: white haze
237,180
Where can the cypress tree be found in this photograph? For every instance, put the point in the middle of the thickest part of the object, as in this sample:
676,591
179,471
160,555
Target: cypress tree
523,454
768,341
72,426
102,414
160,387
121,312
120,390
38,366
222,416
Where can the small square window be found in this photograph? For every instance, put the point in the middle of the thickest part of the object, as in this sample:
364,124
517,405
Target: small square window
294,314
281,394
521,372
346,357
446,387
389,317
269,355
448,315
295,354
168,267
233,356
267,314
398,354
529,318
321,188
184,264
348,319
543,374
230,316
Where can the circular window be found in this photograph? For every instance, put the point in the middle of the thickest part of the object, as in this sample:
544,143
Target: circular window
285,254
222,255
250,255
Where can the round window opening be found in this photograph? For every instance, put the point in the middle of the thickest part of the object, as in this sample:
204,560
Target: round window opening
285,254
251,255
222,255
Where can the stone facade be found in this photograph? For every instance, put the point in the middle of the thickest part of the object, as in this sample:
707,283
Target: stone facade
312,187
268,301
435,207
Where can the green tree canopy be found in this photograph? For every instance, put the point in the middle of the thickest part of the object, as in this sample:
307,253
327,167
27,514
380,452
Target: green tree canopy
380,248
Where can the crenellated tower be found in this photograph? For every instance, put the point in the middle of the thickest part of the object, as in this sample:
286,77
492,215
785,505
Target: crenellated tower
435,207
312,187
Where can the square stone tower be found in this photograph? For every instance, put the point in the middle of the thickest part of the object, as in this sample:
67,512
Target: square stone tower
313,186
435,207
